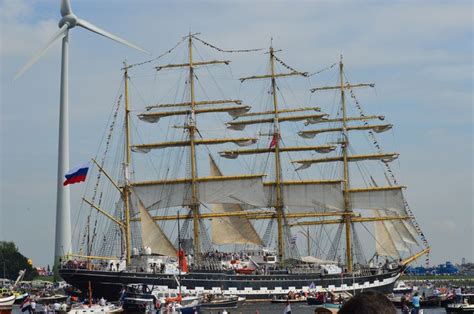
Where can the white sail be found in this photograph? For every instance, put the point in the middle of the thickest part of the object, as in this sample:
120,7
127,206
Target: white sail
405,230
411,231
152,235
307,196
231,230
246,190
393,228
380,198
393,236
384,245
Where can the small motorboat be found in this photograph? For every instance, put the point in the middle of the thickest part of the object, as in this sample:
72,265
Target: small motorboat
285,299
135,302
466,306
7,298
315,300
219,301
402,288
241,300
20,297
50,298
95,308
430,301
188,308
328,299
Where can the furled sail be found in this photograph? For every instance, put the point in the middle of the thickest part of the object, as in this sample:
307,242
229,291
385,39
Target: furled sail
376,128
242,189
231,230
152,235
307,196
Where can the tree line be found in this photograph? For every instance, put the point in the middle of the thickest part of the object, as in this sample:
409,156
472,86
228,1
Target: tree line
12,261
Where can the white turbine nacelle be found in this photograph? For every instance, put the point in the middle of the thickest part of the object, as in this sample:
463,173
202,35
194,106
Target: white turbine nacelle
70,20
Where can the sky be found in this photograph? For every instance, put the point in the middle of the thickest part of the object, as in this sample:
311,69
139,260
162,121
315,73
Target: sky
419,54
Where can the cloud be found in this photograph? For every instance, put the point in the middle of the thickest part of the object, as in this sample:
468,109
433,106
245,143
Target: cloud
20,36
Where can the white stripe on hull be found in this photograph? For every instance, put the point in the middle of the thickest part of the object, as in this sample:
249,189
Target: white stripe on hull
263,291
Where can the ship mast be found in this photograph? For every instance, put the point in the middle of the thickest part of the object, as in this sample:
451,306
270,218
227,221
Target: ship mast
199,186
345,145
348,219
276,140
126,187
275,146
192,131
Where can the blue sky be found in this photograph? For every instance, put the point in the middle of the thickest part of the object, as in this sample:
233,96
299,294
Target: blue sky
420,55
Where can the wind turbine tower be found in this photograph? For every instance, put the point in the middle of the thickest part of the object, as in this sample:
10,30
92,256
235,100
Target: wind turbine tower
68,21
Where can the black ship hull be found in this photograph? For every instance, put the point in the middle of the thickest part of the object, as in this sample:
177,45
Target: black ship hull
108,284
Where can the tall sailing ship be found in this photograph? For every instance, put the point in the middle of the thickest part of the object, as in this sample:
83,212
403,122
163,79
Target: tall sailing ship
239,233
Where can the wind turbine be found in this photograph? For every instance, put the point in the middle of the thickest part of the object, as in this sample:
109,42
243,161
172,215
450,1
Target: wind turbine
63,211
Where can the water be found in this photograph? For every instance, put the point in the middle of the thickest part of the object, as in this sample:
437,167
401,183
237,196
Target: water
271,308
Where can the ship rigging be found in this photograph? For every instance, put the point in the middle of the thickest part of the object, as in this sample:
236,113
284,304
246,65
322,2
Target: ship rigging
243,207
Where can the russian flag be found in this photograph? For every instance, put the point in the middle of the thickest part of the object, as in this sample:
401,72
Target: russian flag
77,174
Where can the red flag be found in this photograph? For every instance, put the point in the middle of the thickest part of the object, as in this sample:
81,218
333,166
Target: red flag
274,140
183,264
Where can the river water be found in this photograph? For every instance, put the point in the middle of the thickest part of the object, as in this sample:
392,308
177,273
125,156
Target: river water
270,308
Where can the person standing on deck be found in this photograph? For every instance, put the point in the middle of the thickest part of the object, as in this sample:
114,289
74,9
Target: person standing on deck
458,293
415,300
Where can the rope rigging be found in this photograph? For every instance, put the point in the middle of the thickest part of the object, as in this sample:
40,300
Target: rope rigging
223,50
324,69
156,58
305,74
86,235
391,175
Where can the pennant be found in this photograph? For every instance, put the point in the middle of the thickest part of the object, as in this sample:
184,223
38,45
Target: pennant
274,140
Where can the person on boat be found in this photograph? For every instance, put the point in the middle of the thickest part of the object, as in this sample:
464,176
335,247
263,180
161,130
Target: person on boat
415,300
321,297
56,307
458,294
368,302
287,309
123,292
404,305
340,299
102,301
33,305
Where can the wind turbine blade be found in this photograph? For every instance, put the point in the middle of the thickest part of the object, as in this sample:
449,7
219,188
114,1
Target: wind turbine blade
65,7
97,30
58,35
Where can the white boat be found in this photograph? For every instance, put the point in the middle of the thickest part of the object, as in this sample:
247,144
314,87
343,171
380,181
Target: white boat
95,308
6,301
466,306
402,288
